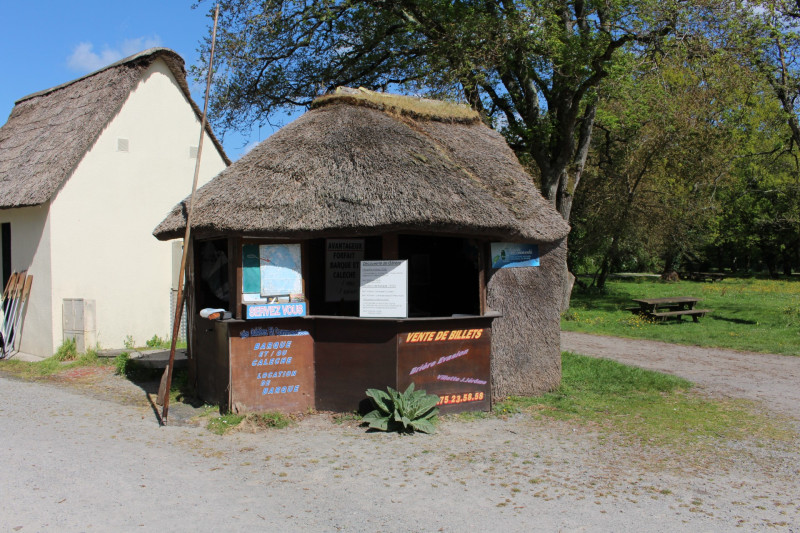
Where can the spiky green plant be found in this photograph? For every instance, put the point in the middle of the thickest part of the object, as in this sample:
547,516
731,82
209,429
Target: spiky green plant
406,412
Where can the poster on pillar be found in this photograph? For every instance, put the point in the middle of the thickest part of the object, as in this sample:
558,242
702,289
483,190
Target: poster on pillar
342,262
453,364
514,255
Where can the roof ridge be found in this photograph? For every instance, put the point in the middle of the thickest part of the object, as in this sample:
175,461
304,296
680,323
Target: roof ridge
129,59
415,107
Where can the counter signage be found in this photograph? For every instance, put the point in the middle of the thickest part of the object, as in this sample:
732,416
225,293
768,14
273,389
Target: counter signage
453,364
514,255
384,289
342,261
272,372
276,310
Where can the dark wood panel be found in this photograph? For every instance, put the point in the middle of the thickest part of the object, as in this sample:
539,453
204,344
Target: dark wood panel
351,357
210,359
272,367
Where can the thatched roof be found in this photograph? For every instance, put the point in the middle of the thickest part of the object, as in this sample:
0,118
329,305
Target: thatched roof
357,165
49,132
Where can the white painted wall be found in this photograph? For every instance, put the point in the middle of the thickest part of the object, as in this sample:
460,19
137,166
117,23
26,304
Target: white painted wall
102,219
30,250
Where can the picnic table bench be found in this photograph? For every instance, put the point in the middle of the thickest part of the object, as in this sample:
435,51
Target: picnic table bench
704,276
664,308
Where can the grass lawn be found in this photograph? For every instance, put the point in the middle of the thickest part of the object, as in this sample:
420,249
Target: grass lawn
647,407
747,313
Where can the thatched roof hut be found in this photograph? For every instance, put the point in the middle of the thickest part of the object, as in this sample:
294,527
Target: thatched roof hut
366,164
354,165
49,132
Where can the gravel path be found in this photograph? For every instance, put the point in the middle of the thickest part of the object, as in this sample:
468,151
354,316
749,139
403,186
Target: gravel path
771,379
76,460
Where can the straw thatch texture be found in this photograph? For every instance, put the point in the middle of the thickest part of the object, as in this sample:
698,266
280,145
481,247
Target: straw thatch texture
526,341
49,132
349,168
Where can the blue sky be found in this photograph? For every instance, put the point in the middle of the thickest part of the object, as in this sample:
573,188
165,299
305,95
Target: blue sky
46,43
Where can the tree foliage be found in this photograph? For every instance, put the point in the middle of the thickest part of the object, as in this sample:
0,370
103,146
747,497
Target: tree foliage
531,67
672,124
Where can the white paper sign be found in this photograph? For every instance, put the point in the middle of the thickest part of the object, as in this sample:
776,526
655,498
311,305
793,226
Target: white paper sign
384,289
342,259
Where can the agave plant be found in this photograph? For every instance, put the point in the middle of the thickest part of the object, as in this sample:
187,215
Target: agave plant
407,411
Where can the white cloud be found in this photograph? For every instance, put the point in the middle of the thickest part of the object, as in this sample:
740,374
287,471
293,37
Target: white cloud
249,146
85,59
132,46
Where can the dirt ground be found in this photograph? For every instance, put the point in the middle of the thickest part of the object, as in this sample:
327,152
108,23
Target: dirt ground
88,455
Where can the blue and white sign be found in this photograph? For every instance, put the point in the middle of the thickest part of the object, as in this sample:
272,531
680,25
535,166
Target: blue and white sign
281,272
514,255
276,310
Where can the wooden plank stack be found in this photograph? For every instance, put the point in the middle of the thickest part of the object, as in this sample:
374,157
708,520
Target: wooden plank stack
12,309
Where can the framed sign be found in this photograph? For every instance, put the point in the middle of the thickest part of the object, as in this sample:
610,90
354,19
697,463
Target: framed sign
453,364
514,255
342,261
280,310
271,273
272,369
384,289
281,269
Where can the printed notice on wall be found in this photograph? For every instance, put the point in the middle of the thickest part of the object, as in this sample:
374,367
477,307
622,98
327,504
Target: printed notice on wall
384,289
342,261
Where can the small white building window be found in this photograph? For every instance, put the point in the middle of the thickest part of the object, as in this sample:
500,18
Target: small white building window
122,145
193,152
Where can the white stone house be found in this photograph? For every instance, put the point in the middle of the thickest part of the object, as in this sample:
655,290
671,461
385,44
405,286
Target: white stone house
87,170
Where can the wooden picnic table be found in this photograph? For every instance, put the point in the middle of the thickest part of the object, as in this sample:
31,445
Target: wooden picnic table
664,308
704,276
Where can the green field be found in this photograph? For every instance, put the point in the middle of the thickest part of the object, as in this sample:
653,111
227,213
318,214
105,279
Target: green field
747,313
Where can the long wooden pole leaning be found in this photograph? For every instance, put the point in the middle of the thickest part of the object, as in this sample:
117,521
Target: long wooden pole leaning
176,326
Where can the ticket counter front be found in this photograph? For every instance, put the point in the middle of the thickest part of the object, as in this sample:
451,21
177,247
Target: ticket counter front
296,340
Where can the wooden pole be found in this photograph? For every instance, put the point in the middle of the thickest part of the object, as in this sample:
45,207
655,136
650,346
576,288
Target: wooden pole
176,326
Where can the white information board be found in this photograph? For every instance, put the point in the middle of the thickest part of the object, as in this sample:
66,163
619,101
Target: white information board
384,289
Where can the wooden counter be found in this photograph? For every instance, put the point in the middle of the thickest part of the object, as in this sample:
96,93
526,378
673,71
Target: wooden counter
327,363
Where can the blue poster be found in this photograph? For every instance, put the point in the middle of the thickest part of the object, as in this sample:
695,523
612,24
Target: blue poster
514,255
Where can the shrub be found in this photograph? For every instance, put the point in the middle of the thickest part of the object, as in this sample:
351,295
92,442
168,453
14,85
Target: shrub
129,343
157,342
122,364
68,351
407,412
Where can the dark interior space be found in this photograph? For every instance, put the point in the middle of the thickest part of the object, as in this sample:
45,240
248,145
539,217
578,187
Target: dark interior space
442,275
212,285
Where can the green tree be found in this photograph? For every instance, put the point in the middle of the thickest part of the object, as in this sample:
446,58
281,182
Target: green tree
531,67
769,40
668,136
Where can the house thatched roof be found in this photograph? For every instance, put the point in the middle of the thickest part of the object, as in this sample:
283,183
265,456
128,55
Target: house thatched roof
358,165
49,132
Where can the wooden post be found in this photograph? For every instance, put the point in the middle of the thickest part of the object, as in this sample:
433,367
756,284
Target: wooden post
305,270
235,276
166,381
482,267
390,246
